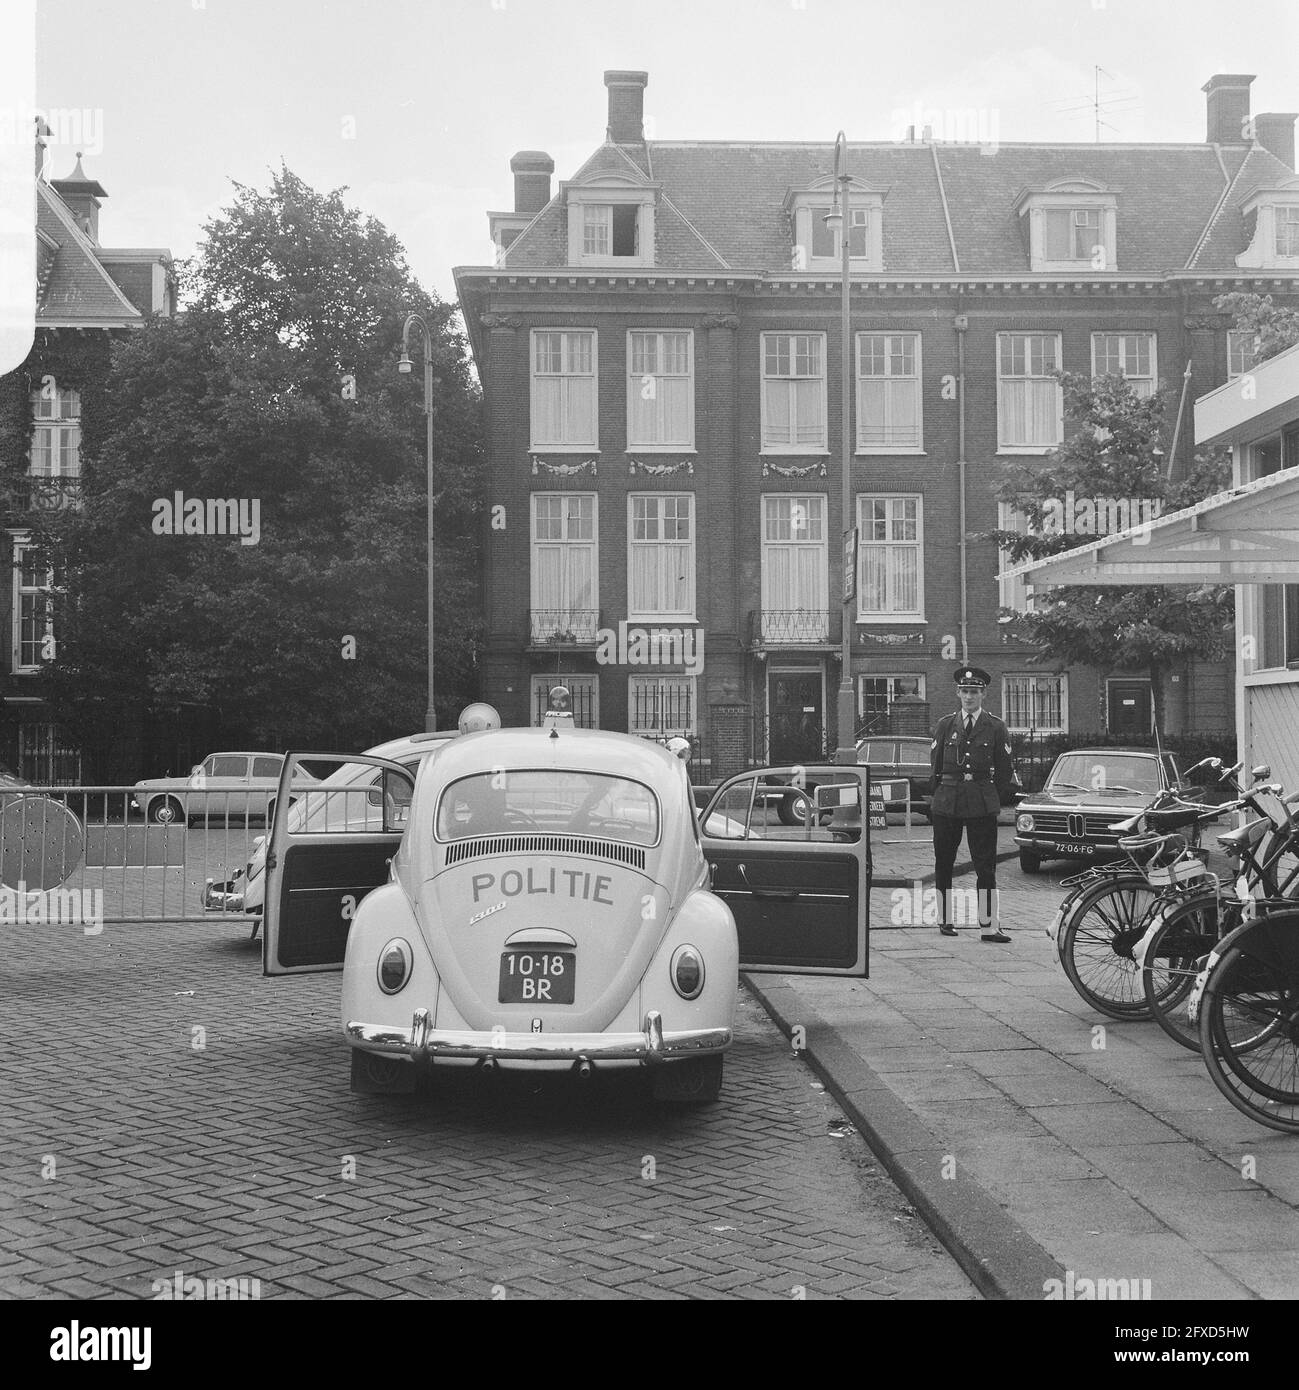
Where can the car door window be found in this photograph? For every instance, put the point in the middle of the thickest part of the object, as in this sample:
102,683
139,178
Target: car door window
266,767
226,765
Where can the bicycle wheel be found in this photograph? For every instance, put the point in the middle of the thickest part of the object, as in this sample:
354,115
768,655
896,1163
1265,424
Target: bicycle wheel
1096,945
1174,954
1249,1021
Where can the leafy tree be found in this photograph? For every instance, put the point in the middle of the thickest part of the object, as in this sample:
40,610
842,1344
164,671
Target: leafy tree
1273,328
277,386
1114,453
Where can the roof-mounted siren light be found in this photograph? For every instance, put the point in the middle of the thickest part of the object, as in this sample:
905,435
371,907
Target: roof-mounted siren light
477,718
680,748
559,709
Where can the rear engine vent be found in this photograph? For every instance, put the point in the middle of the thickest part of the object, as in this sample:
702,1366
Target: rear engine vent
631,855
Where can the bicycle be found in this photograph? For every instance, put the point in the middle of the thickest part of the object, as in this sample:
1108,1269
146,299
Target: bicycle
1180,936
1098,923
1246,1004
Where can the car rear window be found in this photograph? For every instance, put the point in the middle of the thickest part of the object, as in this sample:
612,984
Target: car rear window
913,750
574,803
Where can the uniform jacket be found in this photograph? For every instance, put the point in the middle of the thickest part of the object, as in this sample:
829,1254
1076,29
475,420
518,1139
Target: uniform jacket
985,755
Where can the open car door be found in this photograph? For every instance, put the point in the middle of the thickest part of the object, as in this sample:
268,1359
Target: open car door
800,895
339,818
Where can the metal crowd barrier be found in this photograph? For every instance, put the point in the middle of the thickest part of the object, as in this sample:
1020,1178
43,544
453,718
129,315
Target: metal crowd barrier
87,849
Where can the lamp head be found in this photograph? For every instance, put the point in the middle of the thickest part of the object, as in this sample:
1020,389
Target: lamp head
404,363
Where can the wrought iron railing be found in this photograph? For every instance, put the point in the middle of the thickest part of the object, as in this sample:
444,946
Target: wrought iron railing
795,625
30,493
554,627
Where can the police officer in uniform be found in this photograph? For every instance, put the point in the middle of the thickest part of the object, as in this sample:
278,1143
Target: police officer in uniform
970,769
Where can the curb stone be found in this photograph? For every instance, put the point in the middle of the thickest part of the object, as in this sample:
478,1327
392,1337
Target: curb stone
1001,1259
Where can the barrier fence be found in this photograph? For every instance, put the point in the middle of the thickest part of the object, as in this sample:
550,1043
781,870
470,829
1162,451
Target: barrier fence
88,854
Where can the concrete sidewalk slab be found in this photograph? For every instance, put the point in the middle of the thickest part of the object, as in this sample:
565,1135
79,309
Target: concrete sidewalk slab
1035,1135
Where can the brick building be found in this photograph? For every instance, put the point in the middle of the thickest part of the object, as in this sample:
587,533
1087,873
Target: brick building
86,294
658,343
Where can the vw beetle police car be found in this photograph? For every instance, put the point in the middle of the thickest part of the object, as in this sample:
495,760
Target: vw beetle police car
546,899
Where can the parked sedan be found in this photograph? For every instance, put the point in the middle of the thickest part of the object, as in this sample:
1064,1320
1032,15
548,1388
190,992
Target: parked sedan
895,758
1087,792
222,785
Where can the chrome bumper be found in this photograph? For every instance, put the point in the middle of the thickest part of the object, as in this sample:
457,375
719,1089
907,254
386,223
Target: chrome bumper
423,1043
223,897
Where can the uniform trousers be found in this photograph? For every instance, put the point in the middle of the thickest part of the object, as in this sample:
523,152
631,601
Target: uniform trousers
981,835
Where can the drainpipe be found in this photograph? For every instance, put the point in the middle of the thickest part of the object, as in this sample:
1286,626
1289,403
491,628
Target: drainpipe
961,323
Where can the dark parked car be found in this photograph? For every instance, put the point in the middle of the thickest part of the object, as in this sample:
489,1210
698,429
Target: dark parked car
893,757
1089,789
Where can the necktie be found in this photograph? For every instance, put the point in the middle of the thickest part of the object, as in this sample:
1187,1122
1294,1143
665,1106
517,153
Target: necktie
969,724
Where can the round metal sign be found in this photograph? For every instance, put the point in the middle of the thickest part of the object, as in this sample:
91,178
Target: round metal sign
41,844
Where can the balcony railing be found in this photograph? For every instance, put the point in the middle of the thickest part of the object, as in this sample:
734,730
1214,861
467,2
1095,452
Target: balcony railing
40,493
556,627
795,625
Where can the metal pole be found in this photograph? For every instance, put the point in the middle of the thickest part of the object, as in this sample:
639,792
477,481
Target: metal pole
847,750
403,366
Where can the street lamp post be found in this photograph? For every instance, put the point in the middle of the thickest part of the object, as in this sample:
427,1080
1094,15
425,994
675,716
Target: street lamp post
838,218
404,366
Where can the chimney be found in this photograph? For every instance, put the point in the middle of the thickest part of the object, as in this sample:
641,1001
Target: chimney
626,107
82,196
1228,108
1275,132
532,170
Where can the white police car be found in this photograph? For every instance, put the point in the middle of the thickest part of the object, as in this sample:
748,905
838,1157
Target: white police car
545,899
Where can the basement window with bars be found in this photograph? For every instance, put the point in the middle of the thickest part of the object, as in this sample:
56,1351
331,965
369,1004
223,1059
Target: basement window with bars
661,706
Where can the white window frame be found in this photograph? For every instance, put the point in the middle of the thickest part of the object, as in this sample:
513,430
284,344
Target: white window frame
821,446
607,195
636,384
534,542
1015,594
915,445
1240,352
1005,446
1072,199
57,421
635,612
21,591
663,682
545,681
568,445
1285,215
1145,386
891,695
1063,686
809,205
816,632
890,615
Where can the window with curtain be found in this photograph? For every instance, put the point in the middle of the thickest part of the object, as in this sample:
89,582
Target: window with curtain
563,389
661,556
1030,403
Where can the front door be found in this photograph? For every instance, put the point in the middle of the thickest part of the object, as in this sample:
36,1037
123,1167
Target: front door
795,716
800,895
334,833
1129,707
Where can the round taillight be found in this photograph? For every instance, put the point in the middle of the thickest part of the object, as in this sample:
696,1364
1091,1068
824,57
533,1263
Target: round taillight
687,972
394,966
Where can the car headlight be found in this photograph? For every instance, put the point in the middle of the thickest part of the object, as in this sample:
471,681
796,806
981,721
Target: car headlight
687,971
394,966
1024,823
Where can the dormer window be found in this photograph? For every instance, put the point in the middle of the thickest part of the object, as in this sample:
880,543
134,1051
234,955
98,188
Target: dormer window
816,242
610,223
1272,224
1070,226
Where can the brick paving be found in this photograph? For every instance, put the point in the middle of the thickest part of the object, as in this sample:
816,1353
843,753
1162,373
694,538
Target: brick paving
195,1116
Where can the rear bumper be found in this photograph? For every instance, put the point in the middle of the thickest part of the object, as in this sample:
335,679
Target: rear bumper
423,1043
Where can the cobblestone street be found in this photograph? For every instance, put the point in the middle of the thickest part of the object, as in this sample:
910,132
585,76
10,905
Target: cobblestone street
128,1152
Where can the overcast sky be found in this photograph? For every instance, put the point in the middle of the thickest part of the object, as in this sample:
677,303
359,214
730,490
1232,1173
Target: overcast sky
417,105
